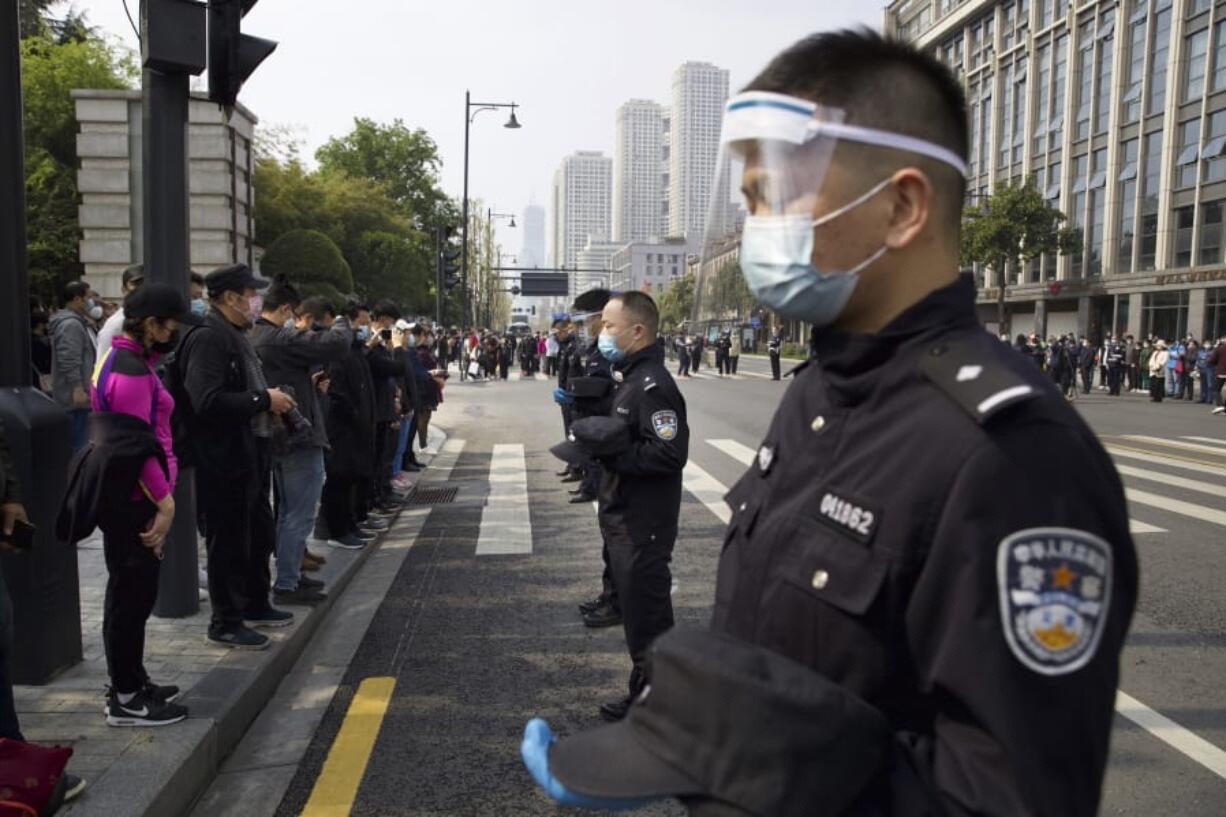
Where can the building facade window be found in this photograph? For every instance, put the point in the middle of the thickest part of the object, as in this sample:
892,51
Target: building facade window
1188,159
1097,205
1004,130
1197,51
1077,210
1151,175
1212,154
1219,56
1160,52
1055,133
1185,220
1131,99
1210,241
1085,80
1042,89
1105,38
1128,205
1165,314
1215,313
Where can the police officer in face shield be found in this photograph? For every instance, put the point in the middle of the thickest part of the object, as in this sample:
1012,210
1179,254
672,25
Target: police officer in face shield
879,537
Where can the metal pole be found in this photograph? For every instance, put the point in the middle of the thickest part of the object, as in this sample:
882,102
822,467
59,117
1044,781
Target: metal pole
439,284
164,159
14,279
464,226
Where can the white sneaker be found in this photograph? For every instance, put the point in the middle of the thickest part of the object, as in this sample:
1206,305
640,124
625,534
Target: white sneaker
1219,410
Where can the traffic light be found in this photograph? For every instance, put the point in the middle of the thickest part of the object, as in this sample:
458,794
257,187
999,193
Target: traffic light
233,56
448,259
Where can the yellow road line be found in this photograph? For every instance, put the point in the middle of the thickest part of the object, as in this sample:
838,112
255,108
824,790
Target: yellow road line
337,785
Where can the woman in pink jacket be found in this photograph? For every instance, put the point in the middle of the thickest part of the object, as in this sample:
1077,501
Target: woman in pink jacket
135,533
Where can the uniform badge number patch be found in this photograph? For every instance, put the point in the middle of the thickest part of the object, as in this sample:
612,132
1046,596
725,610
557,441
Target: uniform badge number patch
665,424
1055,590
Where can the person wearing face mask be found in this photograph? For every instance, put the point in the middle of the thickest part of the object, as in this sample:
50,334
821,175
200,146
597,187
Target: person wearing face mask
196,293
228,410
132,453
905,530
640,487
291,350
74,342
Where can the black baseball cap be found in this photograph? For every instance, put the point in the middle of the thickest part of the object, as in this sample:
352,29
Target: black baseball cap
156,300
731,728
234,278
593,437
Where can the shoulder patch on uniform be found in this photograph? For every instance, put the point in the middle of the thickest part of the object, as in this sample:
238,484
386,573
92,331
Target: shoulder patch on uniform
1055,591
651,384
665,424
980,385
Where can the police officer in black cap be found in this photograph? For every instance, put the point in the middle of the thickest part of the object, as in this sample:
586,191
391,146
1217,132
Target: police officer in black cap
907,529
640,488
223,403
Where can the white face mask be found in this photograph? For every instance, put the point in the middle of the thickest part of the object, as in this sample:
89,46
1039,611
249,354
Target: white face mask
93,309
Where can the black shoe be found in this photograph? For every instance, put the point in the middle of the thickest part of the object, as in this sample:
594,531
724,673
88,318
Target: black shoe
574,491
579,499
309,583
614,711
142,710
572,478
73,786
588,607
565,472
240,638
167,694
270,617
303,595
602,616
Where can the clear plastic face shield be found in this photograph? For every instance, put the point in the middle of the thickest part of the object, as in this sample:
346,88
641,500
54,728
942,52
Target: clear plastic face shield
776,151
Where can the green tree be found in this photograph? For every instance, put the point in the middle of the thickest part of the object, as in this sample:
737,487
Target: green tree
403,161
677,302
395,266
50,70
1011,227
312,261
731,292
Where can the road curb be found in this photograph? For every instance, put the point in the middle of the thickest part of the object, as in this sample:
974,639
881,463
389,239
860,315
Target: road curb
167,773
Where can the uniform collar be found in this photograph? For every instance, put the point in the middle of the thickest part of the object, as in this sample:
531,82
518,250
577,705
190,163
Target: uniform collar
651,352
849,361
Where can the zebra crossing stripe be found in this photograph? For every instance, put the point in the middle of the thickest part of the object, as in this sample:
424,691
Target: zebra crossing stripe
1144,438
1188,509
506,528
1158,459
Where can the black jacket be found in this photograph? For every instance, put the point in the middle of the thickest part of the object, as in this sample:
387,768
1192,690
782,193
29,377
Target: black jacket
290,357
590,380
214,404
10,482
105,472
640,490
351,415
930,525
384,373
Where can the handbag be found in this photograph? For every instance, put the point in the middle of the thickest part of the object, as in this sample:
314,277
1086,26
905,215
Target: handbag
473,369
31,778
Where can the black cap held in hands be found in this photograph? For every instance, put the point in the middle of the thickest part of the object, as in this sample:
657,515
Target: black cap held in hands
733,728
234,278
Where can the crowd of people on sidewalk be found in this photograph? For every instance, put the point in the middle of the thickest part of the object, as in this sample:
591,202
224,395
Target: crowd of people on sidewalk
300,417
1180,369
482,354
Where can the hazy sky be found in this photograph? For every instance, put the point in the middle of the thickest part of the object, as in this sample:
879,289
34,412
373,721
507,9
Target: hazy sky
568,63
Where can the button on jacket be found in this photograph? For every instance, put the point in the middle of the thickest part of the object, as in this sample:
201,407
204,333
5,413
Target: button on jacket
928,524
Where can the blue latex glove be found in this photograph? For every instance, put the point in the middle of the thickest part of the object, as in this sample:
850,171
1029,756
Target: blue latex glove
562,397
538,737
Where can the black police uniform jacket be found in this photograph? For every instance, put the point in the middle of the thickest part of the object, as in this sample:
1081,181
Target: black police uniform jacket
214,403
931,526
640,488
590,380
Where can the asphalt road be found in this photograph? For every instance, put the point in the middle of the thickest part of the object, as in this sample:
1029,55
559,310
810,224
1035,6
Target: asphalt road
478,644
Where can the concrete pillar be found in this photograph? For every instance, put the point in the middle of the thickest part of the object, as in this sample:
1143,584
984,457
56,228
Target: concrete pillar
1040,318
1196,313
1083,316
1134,313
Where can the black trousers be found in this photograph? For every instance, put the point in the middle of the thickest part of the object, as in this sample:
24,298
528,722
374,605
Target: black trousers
733,361
774,367
131,590
10,728
643,583
336,505
1157,387
386,440
1087,378
227,515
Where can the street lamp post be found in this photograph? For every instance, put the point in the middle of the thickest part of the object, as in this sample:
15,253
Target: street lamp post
471,109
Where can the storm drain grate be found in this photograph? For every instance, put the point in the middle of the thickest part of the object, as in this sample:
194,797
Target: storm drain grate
432,496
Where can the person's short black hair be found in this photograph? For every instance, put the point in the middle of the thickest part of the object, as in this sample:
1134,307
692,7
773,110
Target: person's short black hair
884,83
641,308
319,308
197,279
73,290
385,309
353,306
281,293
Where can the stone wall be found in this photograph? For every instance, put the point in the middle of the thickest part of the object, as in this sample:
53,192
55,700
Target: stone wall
110,182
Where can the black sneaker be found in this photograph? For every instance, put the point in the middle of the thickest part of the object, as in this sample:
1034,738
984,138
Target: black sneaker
167,694
240,638
303,595
588,607
73,786
270,617
614,711
142,710
309,583
603,616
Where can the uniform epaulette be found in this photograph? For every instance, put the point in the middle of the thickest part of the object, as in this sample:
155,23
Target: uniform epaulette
975,381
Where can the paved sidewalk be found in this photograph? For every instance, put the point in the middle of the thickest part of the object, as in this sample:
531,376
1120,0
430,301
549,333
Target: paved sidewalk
129,769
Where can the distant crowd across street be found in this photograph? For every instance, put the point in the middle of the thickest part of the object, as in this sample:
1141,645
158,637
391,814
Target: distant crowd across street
1180,369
